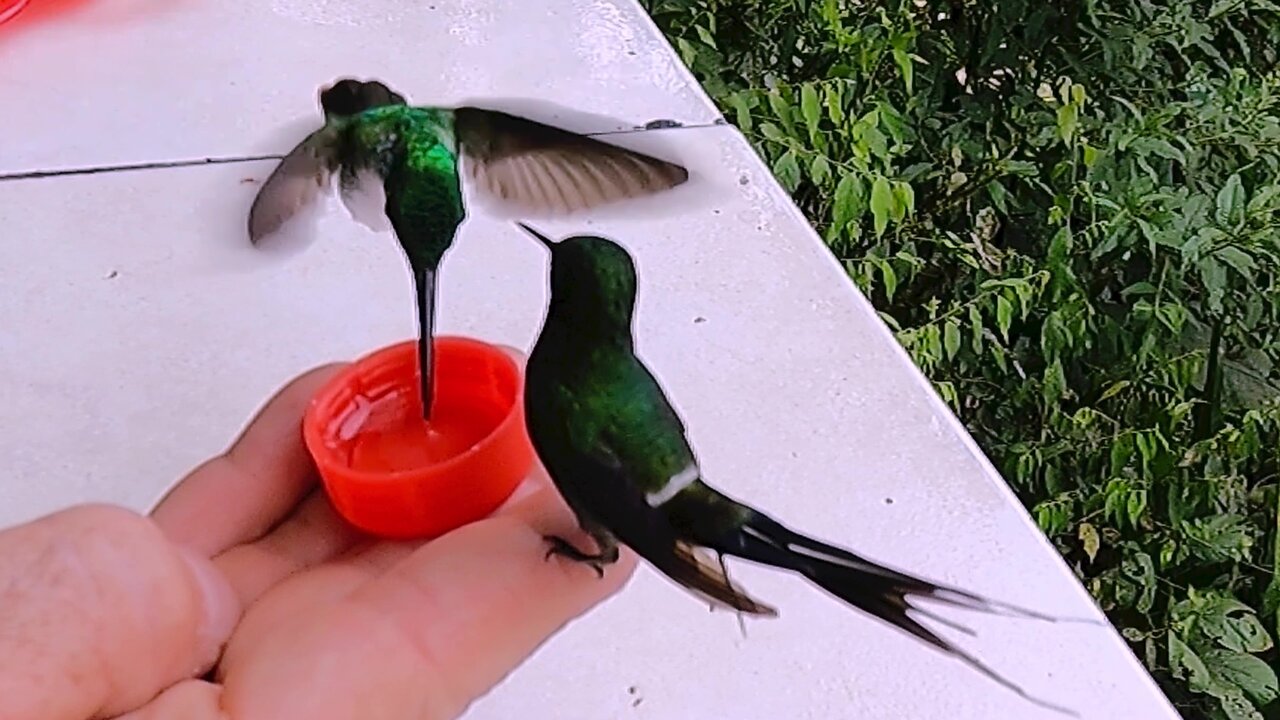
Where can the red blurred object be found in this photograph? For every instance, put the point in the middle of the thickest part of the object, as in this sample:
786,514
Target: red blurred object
392,474
10,8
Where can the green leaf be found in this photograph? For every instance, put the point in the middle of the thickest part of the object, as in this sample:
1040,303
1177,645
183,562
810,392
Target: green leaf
1146,576
1239,632
975,328
688,53
998,354
850,200
810,107
742,111
1214,276
1004,315
1090,155
820,170
904,200
835,103
705,36
1185,664
1251,674
1222,6
1236,707
999,196
782,109
1068,121
890,279
1264,199
1136,505
1114,388
1220,538
1090,539
1121,452
1054,382
1162,148
951,338
1238,259
1230,203
881,204
904,66
787,170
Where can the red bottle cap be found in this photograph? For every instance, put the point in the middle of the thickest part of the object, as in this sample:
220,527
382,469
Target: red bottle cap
390,473
10,8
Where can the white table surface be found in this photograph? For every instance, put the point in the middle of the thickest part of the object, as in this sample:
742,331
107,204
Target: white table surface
137,335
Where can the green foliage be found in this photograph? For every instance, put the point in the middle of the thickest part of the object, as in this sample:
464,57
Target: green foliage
1069,213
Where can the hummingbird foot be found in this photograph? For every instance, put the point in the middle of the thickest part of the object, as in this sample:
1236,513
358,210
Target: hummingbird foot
607,556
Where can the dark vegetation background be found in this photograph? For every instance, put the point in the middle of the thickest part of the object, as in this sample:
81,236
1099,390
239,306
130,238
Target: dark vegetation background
1068,212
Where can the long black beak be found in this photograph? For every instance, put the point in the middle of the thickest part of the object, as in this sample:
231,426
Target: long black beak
540,237
425,282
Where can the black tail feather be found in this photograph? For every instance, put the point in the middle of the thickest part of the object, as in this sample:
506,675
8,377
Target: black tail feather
878,590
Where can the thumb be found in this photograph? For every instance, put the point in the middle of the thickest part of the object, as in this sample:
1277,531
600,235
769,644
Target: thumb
102,612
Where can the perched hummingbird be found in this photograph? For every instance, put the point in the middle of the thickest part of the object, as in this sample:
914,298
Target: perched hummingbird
618,453
413,153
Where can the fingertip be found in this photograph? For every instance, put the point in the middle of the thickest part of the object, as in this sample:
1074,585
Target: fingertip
220,608
239,495
282,412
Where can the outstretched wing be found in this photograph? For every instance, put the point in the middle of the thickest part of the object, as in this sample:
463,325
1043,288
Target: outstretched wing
546,169
297,181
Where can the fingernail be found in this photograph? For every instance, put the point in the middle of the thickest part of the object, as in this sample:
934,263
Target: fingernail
220,606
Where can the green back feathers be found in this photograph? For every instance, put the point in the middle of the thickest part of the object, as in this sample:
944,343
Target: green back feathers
414,151
587,392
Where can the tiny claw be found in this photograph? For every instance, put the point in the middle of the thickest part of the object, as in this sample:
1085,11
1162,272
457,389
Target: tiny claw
564,548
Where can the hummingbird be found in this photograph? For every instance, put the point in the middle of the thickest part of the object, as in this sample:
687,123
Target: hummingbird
619,455
417,157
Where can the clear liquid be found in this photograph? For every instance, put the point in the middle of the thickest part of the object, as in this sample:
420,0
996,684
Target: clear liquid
386,432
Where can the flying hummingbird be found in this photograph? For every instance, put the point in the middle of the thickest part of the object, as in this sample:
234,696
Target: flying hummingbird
416,157
618,453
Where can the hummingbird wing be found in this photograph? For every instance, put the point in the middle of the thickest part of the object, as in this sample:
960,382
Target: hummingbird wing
302,175
546,169
641,458
612,496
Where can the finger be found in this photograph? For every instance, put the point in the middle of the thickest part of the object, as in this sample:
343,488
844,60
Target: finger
189,700
101,612
269,562
535,502
316,534
240,495
313,534
422,640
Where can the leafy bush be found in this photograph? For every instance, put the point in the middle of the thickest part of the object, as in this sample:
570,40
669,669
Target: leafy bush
1070,215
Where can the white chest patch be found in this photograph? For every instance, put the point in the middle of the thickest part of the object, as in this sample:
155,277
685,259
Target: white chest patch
675,484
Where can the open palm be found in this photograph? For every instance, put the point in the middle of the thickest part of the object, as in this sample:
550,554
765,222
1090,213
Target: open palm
340,625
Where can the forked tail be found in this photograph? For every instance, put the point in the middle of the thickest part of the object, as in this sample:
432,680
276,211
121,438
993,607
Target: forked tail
876,589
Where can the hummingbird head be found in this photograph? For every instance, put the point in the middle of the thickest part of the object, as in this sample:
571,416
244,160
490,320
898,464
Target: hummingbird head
593,283
349,96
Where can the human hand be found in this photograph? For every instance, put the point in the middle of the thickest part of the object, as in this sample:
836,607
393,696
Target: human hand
108,614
